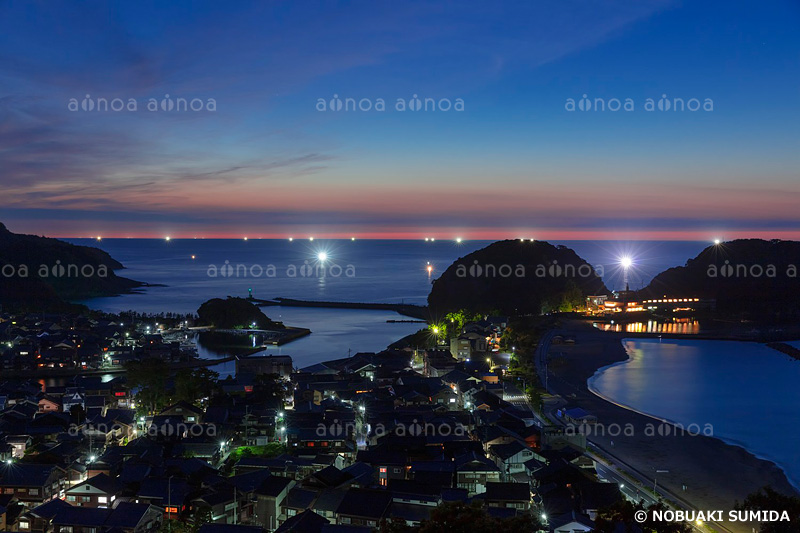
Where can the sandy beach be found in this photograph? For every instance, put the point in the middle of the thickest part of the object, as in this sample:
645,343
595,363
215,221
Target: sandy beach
716,474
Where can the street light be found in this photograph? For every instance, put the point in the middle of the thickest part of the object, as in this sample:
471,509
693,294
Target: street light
626,262
655,480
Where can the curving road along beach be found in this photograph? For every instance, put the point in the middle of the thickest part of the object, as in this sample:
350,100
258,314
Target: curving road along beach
716,474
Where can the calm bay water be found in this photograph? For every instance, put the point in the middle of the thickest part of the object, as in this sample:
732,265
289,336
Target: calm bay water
747,391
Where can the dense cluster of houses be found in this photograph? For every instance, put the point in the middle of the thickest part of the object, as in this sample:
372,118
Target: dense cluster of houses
361,440
54,341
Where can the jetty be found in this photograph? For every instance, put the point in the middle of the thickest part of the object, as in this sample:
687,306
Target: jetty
419,312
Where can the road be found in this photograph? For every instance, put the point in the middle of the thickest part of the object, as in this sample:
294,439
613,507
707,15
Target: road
635,484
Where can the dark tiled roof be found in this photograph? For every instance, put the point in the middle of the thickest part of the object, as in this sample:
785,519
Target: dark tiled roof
508,491
273,485
229,528
127,515
305,522
101,482
24,474
370,504
81,516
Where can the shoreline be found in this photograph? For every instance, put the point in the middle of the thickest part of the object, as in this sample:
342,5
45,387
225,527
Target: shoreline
730,442
715,472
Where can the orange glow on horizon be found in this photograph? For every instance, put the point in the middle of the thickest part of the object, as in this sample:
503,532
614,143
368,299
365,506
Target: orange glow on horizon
472,235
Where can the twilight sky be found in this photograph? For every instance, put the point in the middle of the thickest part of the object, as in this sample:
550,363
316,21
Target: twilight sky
262,159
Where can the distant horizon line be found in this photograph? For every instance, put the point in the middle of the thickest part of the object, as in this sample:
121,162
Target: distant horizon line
451,234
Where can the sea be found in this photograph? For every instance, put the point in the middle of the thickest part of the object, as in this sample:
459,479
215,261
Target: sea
184,273
745,390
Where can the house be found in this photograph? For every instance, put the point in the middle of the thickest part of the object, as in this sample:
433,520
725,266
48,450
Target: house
474,471
268,499
264,364
130,517
125,518
508,495
305,522
18,443
185,410
226,504
38,519
511,457
576,415
229,528
73,397
363,507
49,404
32,484
571,523
98,491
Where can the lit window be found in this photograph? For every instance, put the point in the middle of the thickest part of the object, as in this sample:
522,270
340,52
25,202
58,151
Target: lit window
102,499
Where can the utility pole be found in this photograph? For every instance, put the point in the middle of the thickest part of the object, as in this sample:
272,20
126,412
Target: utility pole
169,504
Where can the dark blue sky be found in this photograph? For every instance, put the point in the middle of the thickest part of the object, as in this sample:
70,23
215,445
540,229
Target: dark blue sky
261,159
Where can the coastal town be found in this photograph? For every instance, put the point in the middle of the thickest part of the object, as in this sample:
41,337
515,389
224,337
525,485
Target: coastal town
363,442
487,415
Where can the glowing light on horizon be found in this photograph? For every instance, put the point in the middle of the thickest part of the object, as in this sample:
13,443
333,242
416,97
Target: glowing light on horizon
717,241
99,238
459,239
429,268
352,238
167,238
245,238
291,239
192,257
311,239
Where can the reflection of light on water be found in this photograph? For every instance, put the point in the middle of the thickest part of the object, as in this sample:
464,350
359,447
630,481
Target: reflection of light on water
681,325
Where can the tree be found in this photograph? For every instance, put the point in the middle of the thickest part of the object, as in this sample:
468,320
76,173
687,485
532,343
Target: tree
768,499
456,517
270,386
234,313
624,512
190,385
148,378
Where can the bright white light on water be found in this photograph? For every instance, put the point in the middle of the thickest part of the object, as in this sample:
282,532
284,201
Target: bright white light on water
167,238
291,239
459,239
322,256
311,239
717,241
626,262
245,238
